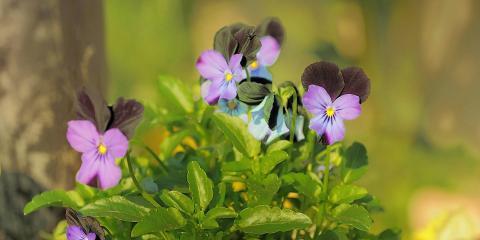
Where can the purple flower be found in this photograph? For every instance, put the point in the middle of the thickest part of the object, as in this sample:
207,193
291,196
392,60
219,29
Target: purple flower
76,233
328,116
266,57
221,76
99,152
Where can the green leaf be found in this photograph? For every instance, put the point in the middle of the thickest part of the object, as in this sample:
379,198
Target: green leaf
355,164
261,189
286,92
264,219
58,198
346,193
178,97
177,200
253,93
269,161
209,222
117,207
278,145
304,184
236,131
390,234
199,184
332,235
160,219
169,144
267,109
353,215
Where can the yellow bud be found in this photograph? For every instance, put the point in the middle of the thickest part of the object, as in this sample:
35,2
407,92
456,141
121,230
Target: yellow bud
287,204
292,195
238,186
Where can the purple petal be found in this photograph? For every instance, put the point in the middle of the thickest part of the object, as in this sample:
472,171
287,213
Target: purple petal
318,124
82,135
316,99
335,130
356,83
91,236
116,142
269,51
109,174
228,90
210,94
89,168
75,233
211,65
235,62
348,106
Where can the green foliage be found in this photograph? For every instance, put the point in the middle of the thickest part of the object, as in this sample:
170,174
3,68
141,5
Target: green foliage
225,184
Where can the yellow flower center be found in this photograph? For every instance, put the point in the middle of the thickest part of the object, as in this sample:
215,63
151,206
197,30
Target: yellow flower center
232,105
330,111
228,76
102,149
254,65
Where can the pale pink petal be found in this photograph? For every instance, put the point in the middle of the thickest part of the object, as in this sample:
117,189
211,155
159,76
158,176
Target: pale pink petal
211,65
335,130
89,168
109,173
268,53
116,142
316,100
348,106
82,135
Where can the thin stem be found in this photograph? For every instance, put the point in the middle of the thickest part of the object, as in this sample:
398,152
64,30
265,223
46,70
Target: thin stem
155,156
147,196
248,74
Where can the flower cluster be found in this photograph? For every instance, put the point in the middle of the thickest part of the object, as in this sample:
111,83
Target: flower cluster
236,78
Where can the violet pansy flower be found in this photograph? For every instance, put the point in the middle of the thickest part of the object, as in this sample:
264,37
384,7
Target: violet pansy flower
332,96
221,76
77,233
266,56
99,151
329,115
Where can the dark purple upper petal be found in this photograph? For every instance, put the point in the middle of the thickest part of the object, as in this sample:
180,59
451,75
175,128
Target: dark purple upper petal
91,106
326,75
271,27
127,114
356,83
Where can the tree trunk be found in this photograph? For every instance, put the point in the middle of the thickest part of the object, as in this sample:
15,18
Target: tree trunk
48,50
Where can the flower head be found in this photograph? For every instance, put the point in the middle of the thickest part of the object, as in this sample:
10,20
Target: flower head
99,151
234,108
221,76
328,116
266,57
77,233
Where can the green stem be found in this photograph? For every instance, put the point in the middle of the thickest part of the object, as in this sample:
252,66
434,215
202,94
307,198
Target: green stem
155,156
248,74
293,124
147,196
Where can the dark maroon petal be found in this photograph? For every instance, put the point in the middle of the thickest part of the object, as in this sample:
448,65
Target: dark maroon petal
356,83
271,27
91,106
326,75
126,116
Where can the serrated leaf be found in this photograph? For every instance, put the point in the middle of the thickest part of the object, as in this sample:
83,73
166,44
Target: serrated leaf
264,219
117,207
57,198
269,161
278,145
178,98
355,164
177,200
160,219
236,132
200,185
353,215
346,193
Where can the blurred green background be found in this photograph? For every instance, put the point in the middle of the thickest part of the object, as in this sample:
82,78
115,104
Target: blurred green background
421,122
